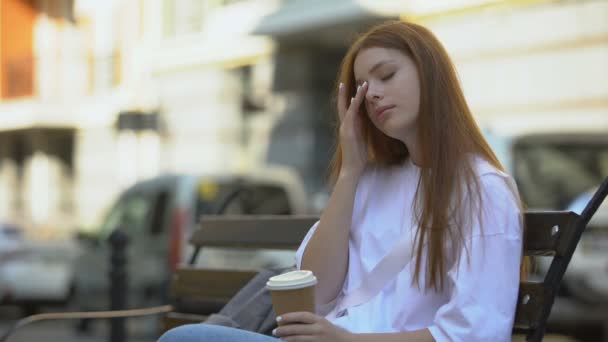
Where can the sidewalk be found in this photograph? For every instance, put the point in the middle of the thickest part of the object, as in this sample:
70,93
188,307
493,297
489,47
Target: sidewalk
141,329
64,331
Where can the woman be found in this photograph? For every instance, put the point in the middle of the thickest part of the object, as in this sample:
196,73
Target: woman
410,160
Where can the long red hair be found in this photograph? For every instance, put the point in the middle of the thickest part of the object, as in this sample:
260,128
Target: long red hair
448,136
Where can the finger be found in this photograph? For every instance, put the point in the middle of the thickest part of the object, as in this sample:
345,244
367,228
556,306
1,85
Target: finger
359,97
298,317
297,330
355,102
300,339
342,106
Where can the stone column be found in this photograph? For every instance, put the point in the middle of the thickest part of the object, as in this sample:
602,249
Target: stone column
8,178
40,191
303,136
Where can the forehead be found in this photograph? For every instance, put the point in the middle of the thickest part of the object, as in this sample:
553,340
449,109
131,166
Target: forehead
370,57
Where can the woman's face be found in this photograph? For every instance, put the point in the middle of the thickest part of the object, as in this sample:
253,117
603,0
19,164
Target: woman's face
393,96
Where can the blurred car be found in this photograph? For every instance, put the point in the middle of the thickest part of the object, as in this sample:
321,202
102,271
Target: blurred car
587,277
11,243
160,214
553,166
9,232
38,273
11,239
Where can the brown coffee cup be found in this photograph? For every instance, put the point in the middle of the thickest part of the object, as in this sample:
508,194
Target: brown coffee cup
292,291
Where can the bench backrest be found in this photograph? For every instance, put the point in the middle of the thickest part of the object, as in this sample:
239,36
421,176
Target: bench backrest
260,231
550,233
197,291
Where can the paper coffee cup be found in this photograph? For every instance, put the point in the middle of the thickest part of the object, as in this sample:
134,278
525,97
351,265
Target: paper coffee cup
292,291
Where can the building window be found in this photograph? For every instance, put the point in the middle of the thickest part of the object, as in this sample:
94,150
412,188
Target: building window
104,71
18,76
182,17
230,2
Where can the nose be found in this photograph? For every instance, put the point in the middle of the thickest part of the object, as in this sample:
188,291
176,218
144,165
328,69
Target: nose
374,93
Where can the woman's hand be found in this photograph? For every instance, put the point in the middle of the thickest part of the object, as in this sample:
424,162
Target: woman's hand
308,327
354,151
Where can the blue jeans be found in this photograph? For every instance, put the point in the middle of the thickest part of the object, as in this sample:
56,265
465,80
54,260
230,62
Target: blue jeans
212,333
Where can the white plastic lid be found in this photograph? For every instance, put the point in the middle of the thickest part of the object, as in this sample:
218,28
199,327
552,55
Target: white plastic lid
291,280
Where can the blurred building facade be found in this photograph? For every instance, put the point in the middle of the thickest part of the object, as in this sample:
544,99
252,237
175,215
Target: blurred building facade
38,132
99,94
532,64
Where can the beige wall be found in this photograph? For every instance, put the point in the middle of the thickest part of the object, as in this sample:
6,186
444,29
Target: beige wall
547,59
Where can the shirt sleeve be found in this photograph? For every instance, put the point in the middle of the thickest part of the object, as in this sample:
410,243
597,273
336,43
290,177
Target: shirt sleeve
322,309
483,283
300,251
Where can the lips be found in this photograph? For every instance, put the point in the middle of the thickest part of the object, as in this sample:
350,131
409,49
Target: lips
381,110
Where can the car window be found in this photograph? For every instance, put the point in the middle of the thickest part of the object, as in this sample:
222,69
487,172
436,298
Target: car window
267,199
130,213
159,213
10,232
251,199
551,175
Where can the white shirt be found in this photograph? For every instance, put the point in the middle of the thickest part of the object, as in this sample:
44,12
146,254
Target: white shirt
480,293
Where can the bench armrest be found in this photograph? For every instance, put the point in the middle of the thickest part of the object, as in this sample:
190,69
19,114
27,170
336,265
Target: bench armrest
154,310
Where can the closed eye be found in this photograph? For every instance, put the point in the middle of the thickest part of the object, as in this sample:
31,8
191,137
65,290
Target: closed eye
388,77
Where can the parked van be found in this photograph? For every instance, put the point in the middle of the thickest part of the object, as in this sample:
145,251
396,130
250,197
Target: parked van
160,214
588,274
555,162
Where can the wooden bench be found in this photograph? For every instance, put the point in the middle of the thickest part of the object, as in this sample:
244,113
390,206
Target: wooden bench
199,292
556,234
548,233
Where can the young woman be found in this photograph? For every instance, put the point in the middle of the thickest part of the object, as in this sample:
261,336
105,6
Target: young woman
410,162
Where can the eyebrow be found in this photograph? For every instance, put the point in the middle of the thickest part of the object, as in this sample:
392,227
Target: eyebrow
376,66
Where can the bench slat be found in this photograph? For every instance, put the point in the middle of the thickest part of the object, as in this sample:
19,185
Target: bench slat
207,283
530,301
264,231
548,233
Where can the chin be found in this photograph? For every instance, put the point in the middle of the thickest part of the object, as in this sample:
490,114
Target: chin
398,132
393,134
